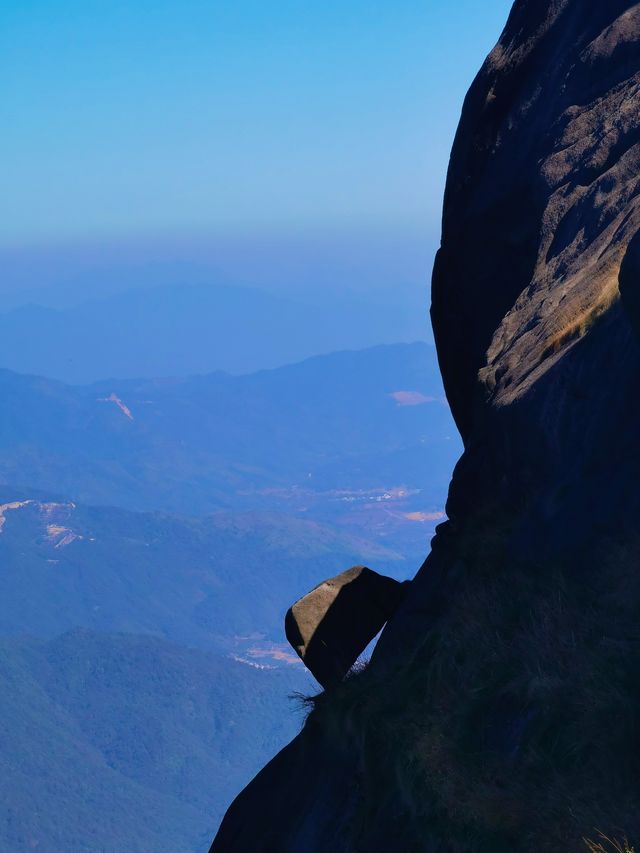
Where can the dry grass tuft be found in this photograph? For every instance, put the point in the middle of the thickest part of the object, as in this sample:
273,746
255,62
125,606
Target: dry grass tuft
579,326
604,844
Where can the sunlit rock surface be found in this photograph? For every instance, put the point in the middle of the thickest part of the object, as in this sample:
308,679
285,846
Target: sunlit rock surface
331,626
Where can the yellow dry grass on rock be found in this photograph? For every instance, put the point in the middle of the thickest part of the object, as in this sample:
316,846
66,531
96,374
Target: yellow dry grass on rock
577,327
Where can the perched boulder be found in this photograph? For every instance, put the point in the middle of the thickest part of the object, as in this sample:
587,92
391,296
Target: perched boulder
332,625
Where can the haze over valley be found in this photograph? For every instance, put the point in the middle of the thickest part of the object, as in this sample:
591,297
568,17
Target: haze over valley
178,330
153,532
218,382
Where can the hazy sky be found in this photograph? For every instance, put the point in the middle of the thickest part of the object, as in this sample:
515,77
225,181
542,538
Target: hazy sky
143,118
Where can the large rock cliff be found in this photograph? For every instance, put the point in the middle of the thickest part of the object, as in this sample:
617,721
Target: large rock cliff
501,709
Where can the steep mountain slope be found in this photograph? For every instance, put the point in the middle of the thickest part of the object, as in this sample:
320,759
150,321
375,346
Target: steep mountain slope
116,742
501,708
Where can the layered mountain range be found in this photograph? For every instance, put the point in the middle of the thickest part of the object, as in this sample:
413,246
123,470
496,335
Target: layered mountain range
500,710
152,536
203,443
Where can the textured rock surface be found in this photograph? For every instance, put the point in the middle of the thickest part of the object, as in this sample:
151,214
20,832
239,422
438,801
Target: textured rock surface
332,625
502,707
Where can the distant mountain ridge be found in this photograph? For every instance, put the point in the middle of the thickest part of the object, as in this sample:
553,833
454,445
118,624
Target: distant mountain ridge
179,331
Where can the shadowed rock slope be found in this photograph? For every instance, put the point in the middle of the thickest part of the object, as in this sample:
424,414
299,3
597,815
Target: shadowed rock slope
501,709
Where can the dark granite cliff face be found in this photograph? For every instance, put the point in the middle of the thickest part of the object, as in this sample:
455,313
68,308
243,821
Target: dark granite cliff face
501,710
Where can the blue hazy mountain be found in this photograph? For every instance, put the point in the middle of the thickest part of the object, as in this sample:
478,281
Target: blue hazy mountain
325,437
178,331
152,534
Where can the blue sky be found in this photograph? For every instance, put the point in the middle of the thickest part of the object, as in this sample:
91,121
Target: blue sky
152,118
